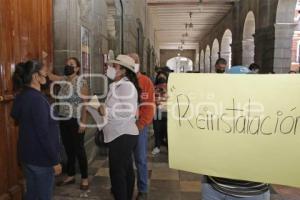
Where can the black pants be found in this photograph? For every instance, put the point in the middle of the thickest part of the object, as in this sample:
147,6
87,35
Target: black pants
121,166
160,131
74,146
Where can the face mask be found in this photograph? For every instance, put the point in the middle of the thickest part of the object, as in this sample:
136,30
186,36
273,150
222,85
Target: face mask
111,73
69,70
136,68
220,71
161,80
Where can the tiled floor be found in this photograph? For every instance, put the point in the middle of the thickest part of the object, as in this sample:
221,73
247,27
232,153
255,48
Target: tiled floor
164,183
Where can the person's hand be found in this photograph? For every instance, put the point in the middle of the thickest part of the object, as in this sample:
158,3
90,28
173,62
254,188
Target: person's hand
81,129
140,127
57,169
102,110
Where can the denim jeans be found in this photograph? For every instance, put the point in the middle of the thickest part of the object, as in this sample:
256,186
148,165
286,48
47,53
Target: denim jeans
209,193
39,182
140,157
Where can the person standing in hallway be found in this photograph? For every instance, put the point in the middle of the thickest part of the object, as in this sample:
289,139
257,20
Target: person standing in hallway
220,66
160,119
72,127
217,188
120,131
38,131
145,118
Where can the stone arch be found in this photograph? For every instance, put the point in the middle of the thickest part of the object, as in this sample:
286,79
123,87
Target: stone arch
202,66
284,31
215,52
207,61
248,39
226,50
285,11
180,64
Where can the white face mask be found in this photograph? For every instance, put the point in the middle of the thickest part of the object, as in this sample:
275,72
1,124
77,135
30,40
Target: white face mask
111,73
136,68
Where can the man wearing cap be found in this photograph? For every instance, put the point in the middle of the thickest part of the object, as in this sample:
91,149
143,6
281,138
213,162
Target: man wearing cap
146,114
120,131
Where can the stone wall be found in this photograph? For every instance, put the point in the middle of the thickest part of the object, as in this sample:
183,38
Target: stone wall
273,28
69,17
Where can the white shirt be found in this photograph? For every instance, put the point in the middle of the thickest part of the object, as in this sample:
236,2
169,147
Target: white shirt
121,104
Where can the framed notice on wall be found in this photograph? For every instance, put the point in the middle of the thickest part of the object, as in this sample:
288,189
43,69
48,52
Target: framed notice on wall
85,51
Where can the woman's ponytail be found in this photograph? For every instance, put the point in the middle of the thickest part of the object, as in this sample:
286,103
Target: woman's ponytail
18,80
23,73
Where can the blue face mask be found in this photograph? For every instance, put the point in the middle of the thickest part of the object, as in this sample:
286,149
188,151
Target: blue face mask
69,70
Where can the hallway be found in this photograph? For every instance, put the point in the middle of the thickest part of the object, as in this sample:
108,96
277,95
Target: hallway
164,183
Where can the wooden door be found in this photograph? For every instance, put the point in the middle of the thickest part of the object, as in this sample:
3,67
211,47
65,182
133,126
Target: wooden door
25,33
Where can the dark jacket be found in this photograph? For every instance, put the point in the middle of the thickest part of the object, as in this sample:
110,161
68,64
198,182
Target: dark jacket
38,132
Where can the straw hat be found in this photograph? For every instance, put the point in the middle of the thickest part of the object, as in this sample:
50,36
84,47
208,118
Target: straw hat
124,61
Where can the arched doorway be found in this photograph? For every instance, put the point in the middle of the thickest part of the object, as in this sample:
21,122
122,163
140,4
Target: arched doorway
284,32
248,39
215,53
226,51
202,61
180,64
207,68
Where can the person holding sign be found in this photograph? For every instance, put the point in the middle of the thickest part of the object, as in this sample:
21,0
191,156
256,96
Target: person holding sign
215,188
120,131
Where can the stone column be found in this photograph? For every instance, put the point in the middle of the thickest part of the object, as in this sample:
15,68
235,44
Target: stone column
283,45
264,48
237,49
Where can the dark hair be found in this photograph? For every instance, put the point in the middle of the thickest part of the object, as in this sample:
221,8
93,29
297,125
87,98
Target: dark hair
77,63
23,73
254,66
221,61
134,80
163,73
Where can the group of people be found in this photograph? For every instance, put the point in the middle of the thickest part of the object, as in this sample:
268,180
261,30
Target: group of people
131,103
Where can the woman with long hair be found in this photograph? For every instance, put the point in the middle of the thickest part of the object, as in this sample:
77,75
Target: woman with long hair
38,131
72,94
121,132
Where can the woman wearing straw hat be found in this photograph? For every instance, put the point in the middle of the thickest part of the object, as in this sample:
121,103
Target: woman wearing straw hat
121,132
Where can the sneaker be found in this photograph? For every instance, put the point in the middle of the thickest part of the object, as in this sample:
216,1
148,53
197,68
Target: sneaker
141,196
155,151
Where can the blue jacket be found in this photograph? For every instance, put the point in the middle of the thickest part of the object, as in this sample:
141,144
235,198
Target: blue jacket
38,132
